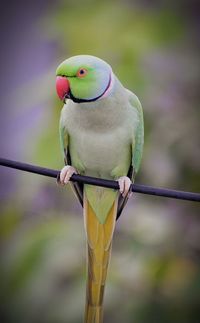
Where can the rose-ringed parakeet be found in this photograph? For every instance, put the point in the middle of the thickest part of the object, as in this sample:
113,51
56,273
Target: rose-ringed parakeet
102,132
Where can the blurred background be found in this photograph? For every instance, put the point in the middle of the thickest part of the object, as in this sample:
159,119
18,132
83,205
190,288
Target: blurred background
154,49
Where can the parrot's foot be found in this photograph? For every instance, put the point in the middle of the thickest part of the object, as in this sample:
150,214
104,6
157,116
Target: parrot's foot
124,186
65,174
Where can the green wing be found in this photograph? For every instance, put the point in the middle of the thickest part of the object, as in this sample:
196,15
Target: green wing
64,141
138,142
137,147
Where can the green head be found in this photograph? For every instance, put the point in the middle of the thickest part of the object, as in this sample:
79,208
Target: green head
83,78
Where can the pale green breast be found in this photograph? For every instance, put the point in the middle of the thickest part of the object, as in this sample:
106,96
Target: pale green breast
100,138
100,153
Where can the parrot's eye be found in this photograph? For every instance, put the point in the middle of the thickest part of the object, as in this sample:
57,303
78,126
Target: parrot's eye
82,72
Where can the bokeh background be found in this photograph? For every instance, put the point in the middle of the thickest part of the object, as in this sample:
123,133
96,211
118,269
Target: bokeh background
153,47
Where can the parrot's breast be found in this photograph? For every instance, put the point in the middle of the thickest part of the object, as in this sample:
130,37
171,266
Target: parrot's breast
100,153
101,138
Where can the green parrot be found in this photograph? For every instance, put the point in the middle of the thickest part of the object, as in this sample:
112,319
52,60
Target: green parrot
102,135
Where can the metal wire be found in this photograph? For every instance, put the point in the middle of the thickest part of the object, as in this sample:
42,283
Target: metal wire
143,189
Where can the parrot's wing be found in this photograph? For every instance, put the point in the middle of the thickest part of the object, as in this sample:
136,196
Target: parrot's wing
137,146
138,140
64,140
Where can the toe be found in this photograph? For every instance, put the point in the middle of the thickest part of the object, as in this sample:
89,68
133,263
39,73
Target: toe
127,184
121,185
124,185
66,173
63,173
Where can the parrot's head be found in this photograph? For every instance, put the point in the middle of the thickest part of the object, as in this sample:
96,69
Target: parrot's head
83,78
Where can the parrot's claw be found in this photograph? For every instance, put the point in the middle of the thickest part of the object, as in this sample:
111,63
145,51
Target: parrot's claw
65,174
125,186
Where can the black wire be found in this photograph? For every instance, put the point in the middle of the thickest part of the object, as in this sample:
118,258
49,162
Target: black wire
149,190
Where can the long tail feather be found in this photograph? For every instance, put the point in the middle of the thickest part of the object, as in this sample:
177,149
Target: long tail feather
99,245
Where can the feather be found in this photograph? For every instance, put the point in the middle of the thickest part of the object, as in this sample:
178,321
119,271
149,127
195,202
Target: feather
99,244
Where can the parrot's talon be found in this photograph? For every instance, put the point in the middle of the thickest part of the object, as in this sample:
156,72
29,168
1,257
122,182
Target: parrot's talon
125,186
65,174
58,179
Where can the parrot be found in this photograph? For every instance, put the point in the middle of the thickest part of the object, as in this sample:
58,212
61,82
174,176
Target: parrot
102,134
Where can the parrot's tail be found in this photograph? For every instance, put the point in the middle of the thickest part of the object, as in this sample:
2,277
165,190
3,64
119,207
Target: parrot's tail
99,244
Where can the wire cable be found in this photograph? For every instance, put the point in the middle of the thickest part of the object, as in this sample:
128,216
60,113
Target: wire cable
143,189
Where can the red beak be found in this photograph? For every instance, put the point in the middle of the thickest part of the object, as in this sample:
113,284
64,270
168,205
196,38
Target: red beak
62,87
